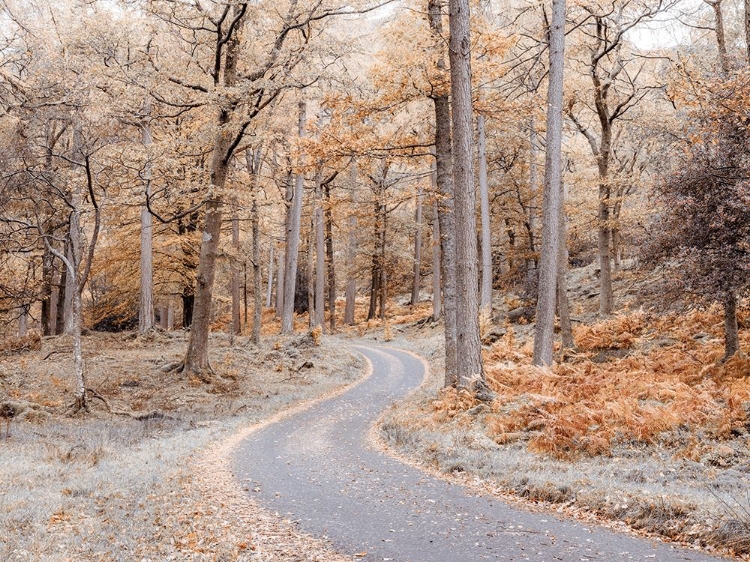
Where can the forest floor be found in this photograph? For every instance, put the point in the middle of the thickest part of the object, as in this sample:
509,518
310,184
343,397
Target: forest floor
642,427
151,485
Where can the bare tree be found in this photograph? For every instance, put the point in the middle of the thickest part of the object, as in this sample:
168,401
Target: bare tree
552,204
468,349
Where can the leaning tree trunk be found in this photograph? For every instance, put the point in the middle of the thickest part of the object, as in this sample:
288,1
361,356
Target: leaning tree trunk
320,264
552,204
485,301
292,237
417,249
146,300
446,216
731,328
468,349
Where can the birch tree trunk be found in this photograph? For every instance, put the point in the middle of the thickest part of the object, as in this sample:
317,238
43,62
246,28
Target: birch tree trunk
417,249
468,349
485,301
319,317
446,216
552,209
292,237
146,300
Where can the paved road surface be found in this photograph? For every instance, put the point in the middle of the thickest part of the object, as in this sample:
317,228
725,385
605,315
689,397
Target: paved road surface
317,468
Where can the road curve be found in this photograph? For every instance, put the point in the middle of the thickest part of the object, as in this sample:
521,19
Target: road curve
317,468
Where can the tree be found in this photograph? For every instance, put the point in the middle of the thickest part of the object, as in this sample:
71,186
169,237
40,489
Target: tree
552,205
468,347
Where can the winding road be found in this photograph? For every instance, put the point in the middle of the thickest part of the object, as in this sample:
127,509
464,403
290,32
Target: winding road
318,469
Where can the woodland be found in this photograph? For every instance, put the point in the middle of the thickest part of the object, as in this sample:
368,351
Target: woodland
552,199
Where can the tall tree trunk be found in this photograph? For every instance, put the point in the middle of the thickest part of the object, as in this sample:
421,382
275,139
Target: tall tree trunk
320,264
731,328
74,255
329,259
485,301
257,274
437,301
23,321
270,274
47,277
351,255
552,205
531,224
563,304
383,293
469,350
292,237
446,215
146,298
61,294
606,297
417,249
235,272
279,284
376,270
311,273
721,41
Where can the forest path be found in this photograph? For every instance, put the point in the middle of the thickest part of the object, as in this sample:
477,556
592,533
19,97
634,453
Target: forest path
319,468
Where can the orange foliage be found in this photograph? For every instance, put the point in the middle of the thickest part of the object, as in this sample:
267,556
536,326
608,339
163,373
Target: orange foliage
670,379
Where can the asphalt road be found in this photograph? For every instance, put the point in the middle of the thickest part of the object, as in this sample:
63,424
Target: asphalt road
318,469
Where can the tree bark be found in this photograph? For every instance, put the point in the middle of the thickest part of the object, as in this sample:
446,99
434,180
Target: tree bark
485,302
417,249
146,300
329,260
47,278
270,274
563,304
351,254
320,264
531,225
468,349
747,30
292,237
257,273
23,321
310,269
446,216
235,272
721,41
552,206
731,328
279,283
437,301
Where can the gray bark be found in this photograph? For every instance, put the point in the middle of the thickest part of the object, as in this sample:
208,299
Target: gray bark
257,273
747,30
310,266
437,301
721,41
235,272
170,316
292,238
548,270
531,263
468,349
320,264
23,321
146,298
485,302
446,216
417,249
351,254
269,284
563,304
